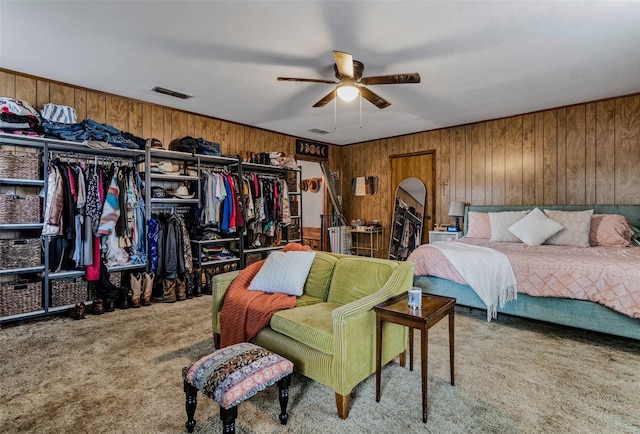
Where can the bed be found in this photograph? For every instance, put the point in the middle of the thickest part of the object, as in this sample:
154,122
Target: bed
606,314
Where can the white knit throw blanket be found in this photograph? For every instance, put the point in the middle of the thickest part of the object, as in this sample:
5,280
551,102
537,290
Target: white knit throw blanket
487,271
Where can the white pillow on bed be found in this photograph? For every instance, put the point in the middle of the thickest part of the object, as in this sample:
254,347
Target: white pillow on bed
284,272
577,226
535,228
501,222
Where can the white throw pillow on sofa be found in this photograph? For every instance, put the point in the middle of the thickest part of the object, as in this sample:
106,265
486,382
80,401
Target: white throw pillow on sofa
284,272
535,228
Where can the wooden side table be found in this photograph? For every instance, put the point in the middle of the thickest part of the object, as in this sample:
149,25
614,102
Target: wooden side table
397,310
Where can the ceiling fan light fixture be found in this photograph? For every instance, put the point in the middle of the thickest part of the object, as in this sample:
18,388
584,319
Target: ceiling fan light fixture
348,92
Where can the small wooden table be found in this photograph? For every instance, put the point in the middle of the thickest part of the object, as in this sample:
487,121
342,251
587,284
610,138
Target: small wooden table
397,310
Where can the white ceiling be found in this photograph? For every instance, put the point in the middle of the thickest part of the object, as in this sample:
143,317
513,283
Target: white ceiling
478,60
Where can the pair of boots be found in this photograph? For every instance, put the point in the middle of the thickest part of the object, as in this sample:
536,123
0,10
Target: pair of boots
169,292
141,289
178,289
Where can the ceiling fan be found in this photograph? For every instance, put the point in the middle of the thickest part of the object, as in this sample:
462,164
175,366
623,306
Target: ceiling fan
352,83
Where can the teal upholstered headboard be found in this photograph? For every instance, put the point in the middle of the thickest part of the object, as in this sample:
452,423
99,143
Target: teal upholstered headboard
632,212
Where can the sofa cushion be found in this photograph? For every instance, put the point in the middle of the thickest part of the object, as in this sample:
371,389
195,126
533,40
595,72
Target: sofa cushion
317,284
356,277
307,300
309,325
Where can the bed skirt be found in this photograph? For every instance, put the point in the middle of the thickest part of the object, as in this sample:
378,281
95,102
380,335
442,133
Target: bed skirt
574,313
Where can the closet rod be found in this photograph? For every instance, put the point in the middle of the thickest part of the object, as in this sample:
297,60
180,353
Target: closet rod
72,156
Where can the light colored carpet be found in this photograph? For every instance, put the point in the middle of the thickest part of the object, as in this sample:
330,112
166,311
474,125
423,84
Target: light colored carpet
120,373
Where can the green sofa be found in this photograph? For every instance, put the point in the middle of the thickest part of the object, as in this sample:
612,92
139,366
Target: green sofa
330,336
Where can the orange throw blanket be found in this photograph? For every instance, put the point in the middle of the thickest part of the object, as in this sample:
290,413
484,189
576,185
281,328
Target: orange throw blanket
244,313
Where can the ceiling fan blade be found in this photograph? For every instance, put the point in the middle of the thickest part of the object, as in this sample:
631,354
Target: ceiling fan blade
391,79
373,98
311,80
344,62
328,97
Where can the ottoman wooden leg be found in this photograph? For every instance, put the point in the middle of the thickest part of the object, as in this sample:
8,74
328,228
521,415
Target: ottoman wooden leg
283,387
228,418
191,395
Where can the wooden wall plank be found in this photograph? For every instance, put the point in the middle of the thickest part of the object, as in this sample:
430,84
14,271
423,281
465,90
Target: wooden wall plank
167,133
136,119
117,112
590,153
605,157
528,160
26,90
7,84
576,156
550,150
488,140
513,161
478,153
627,150
178,124
539,157
62,95
43,93
146,121
561,180
499,191
97,106
80,104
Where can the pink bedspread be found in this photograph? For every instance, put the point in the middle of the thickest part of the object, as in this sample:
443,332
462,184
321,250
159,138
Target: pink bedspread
605,275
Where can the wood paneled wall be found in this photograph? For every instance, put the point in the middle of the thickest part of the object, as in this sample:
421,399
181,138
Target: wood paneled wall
144,119
581,154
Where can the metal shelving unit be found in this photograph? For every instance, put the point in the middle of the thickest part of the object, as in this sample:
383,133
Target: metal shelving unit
44,146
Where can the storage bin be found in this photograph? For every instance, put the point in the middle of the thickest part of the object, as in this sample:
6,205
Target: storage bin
252,258
294,208
293,231
20,297
69,291
20,209
19,165
292,181
20,253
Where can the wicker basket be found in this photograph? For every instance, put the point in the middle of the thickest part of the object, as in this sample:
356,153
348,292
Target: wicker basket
293,232
20,209
294,207
25,165
292,181
252,258
116,278
20,297
20,253
66,292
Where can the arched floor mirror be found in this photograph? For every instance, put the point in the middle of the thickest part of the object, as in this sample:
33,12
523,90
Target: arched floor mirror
408,215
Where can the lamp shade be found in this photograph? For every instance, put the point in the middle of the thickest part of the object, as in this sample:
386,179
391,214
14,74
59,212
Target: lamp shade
456,209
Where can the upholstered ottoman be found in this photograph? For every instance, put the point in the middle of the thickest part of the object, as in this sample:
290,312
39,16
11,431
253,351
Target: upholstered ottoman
233,374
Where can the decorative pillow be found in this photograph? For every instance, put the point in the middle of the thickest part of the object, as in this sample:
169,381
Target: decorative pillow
283,272
501,222
534,228
478,225
610,230
577,225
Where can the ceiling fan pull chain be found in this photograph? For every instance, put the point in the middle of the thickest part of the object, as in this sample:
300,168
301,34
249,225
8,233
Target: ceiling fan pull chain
360,99
335,114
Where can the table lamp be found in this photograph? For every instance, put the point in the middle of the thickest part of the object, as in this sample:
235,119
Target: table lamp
456,209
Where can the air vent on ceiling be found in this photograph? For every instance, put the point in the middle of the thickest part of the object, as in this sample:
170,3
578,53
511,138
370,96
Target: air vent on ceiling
318,131
170,92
